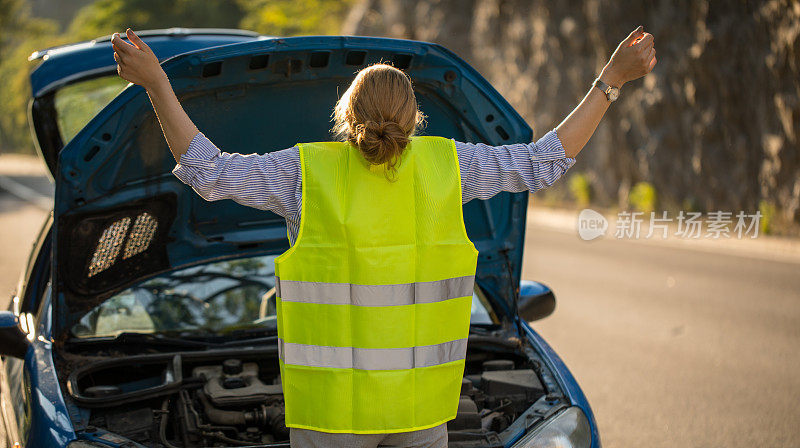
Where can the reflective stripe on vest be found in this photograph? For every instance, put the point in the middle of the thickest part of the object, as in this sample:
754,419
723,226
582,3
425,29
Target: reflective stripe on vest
374,297
372,358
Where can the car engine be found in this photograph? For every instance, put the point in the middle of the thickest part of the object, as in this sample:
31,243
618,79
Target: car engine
234,398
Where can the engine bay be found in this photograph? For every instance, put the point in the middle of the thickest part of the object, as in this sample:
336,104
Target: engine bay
226,398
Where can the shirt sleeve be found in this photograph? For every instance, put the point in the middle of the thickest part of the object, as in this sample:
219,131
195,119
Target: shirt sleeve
270,181
488,170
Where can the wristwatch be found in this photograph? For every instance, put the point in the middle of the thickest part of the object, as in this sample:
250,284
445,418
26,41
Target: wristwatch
612,93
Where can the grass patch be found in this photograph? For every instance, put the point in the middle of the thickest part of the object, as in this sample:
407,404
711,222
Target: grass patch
643,197
767,222
580,189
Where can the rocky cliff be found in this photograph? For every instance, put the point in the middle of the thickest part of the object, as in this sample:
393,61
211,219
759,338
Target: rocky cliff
714,127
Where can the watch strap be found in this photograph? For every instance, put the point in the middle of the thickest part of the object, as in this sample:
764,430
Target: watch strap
605,88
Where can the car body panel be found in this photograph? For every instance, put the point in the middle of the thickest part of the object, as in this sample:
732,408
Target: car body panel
119,164
40,413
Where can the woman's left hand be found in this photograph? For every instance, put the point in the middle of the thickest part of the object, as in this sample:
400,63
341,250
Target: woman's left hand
136,63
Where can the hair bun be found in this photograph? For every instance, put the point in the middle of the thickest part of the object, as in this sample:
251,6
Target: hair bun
378,113
381,142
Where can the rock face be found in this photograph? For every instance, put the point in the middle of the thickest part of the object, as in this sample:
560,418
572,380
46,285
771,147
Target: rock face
715,126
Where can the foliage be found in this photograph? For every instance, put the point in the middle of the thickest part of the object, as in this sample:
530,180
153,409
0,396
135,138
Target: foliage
21,34
105,17
767,222
292,17
580,188
18,25
643,197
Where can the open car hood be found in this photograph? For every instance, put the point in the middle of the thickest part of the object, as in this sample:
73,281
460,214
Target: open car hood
120,214
67,64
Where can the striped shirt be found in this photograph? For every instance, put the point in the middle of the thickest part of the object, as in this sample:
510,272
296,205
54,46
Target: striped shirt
272,181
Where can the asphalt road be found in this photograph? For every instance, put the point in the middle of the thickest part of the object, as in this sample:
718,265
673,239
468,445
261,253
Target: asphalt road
673,347
20,221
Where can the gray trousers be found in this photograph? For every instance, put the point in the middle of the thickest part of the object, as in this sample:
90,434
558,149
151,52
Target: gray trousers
435,437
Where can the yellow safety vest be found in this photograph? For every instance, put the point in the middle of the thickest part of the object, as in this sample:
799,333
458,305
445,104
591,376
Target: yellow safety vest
374,297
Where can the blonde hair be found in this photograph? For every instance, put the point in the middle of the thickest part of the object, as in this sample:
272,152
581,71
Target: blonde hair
378,114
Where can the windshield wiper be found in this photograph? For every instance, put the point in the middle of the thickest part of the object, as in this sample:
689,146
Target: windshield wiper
250,341
242,336
147,339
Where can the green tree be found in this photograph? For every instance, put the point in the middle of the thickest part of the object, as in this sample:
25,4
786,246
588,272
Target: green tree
21,34
105,17
294,17
18,25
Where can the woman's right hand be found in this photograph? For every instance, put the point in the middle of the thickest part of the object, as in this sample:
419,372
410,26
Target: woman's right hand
136,63
634,57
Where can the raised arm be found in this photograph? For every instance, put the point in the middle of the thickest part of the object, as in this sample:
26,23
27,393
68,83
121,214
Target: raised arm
138,64
488,170
634,57
265,181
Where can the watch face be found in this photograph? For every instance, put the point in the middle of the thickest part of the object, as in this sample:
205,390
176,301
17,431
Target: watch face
613,94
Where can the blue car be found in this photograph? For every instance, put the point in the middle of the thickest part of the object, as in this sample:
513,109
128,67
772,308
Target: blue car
146,315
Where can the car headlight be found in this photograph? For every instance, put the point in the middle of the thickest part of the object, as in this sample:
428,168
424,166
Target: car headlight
569,429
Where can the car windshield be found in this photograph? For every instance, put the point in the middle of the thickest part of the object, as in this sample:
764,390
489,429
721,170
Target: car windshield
76,104
214,298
